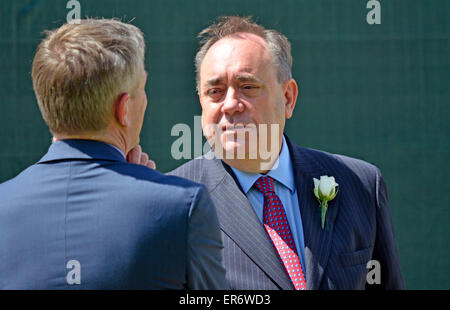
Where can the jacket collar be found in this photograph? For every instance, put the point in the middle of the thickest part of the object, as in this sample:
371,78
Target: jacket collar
81,149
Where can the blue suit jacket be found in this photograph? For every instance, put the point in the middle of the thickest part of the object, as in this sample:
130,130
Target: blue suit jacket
125,226
359,225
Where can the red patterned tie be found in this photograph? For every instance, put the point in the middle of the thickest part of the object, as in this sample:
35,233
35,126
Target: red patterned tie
277,226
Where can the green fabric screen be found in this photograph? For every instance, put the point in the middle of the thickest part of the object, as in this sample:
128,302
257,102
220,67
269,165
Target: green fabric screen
376,92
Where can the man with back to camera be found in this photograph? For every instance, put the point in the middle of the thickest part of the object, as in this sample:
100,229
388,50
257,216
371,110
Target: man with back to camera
299,218
84,218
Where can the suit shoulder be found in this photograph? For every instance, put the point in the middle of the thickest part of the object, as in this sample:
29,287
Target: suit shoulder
355,164
20,180
158,178
191,170
342,165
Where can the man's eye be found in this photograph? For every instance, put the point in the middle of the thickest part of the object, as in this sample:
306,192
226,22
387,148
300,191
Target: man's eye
250,90
213,91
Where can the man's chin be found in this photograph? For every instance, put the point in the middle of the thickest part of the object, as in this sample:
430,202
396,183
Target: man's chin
233,150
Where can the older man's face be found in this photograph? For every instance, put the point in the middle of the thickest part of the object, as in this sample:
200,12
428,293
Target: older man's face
239,87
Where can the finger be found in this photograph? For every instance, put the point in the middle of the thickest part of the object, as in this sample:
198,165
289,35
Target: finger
144,159
151,164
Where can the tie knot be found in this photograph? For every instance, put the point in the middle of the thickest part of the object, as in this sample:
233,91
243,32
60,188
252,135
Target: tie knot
265,185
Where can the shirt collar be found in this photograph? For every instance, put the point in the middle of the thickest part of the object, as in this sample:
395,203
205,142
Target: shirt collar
283,173
118,150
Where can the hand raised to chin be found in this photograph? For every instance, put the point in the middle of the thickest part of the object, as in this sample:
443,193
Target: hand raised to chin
137,156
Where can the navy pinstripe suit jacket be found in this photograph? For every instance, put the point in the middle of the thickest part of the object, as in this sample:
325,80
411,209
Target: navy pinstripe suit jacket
359,225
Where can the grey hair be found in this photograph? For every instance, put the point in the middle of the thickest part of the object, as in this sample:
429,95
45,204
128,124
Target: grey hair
278,45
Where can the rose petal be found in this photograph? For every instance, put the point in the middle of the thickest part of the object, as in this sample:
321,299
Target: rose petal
326,186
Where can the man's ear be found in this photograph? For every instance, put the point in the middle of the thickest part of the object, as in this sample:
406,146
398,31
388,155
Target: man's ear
121,109
290,94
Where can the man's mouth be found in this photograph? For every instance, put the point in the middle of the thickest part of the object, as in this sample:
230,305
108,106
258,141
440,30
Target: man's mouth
233,127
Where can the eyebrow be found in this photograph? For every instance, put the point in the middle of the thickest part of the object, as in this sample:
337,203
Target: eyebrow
239,77
214,81
248,78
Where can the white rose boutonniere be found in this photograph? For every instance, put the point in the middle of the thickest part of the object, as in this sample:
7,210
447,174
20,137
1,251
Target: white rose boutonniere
325,190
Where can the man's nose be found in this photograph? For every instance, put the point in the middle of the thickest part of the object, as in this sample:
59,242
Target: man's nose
232,103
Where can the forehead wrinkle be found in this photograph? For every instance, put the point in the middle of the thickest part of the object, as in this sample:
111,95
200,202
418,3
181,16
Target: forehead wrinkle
247,78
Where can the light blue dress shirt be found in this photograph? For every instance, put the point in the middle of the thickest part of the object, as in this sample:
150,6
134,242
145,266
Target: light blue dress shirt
118,150
286,189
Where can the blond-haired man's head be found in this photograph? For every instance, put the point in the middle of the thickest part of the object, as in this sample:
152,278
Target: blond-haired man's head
89,81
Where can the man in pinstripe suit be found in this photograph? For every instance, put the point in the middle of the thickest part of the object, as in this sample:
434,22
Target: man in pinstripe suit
243,79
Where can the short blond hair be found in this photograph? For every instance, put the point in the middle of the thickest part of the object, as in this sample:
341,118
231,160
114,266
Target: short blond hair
278,45
80,69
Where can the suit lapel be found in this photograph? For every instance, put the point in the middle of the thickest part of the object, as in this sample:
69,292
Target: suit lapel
239,221
317,241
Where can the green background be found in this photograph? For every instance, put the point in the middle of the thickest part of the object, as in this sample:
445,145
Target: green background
375,92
